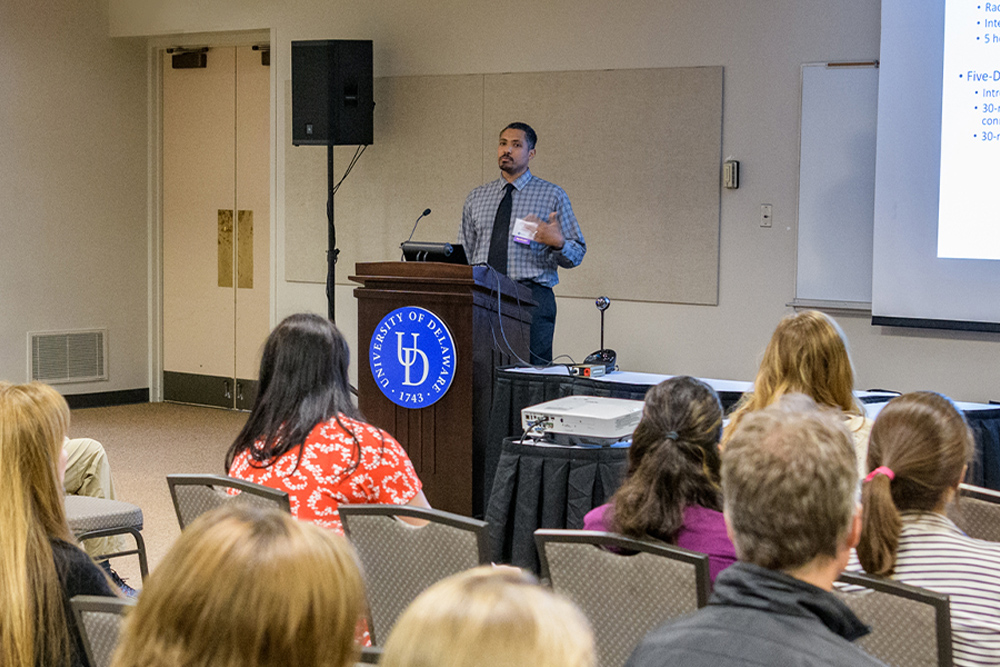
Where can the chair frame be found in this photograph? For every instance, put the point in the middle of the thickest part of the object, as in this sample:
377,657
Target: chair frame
479,528
140,544
597,538
978,493
98,603
243,486
940,602
983,502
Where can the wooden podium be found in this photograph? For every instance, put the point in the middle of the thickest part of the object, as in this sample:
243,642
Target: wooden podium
488,316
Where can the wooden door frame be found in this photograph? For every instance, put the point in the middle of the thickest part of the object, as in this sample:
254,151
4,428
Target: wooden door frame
154,62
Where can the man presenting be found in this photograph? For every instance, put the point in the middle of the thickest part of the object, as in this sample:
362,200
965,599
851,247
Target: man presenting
789,486
523,227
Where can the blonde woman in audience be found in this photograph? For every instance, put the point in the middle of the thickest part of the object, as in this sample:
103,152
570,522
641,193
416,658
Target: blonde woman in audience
41,566
920,447
808,355
248,587
489,617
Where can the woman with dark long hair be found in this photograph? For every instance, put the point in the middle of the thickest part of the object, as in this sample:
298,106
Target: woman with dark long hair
305,436
919,450
671,492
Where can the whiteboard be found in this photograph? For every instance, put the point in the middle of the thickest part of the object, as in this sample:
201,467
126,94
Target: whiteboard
836,185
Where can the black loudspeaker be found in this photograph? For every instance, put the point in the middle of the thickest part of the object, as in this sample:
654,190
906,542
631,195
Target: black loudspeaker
332,101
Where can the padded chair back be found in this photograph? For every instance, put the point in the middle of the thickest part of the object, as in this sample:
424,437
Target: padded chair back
911,627
99,620
400,561
977,512
193,495
624,593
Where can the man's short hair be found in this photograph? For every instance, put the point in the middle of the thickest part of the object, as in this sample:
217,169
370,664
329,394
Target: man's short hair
529,133
789,481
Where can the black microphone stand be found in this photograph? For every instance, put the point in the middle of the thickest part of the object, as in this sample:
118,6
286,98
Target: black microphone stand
332,252
603,357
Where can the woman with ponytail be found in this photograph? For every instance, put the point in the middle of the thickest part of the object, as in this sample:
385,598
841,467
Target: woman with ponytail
41,566
671,492
919,450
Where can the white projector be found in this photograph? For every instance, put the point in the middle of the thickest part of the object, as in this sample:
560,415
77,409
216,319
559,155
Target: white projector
582,419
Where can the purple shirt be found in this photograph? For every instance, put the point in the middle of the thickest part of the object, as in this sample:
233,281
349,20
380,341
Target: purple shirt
703,531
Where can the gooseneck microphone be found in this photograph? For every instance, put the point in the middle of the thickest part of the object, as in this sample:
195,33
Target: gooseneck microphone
426,212
424,251
602,304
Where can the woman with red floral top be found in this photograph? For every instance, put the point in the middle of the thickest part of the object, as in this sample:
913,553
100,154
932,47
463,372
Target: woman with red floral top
305,436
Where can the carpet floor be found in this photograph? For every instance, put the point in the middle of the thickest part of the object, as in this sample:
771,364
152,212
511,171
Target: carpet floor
147,442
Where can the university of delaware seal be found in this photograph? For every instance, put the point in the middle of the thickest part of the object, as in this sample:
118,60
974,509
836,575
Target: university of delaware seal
412,357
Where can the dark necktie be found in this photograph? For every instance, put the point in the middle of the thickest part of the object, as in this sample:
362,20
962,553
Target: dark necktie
501,230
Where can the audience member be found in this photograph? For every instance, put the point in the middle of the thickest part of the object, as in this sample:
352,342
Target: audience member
789,484
489,617
808,355
305,436
88,473
248,587
920,447
671,492
41,567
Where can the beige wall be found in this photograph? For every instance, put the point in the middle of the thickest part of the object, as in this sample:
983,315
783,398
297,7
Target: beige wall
73,240
760,43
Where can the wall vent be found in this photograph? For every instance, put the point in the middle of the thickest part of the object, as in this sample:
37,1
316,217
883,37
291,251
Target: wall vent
58,357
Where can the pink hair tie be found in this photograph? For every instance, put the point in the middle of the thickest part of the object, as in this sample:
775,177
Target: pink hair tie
881,470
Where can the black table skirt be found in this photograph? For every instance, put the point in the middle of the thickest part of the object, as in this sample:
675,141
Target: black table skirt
985,468
515,390
546,487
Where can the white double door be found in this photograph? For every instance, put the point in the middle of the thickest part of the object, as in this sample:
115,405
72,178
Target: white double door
216,222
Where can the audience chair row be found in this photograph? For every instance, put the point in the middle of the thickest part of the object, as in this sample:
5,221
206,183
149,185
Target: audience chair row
100,619
638,585
627,588
641,586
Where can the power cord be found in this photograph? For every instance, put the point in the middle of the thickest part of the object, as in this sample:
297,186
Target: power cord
503,334
358,152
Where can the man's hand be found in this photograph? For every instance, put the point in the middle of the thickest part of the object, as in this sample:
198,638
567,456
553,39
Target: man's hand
549,233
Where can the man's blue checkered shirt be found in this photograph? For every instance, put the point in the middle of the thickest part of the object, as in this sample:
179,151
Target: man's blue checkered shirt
537,262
